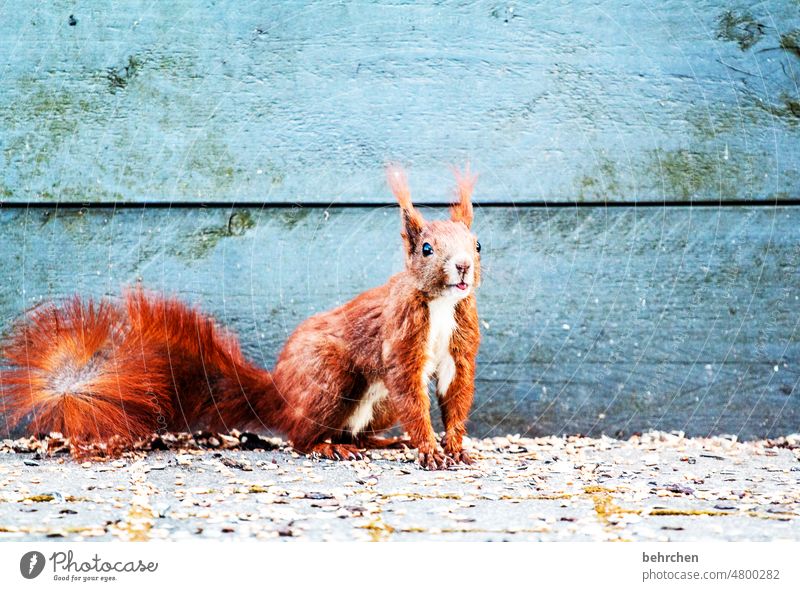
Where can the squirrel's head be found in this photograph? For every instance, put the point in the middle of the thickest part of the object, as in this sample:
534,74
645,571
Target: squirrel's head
443,256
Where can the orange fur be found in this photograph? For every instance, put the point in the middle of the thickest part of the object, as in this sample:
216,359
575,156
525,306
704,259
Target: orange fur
465,183
412,219
98,371
80,370
101,371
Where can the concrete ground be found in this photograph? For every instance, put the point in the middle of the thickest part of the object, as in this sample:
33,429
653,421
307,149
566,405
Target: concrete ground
652,487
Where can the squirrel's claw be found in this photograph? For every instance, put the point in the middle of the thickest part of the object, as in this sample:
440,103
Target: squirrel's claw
336,451
434,461
460,457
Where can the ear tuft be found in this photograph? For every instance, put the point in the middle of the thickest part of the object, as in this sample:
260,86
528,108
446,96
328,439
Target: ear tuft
412,220
398,183
465,183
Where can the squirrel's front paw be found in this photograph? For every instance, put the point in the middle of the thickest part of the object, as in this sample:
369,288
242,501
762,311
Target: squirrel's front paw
433,460
458,456
452,443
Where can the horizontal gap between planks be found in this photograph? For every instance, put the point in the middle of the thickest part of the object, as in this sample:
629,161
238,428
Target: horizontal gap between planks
375,204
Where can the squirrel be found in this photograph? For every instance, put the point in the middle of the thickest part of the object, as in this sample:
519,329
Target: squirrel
122,370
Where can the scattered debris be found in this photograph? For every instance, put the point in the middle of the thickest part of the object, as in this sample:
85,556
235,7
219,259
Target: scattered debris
654,486
56,443
680,489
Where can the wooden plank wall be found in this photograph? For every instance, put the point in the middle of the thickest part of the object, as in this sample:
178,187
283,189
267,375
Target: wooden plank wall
638,197
304,101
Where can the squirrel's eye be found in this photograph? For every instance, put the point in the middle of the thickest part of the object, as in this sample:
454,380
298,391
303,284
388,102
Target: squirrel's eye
427,250
478,246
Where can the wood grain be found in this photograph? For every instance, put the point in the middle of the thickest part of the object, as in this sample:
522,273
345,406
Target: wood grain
595,320
304,102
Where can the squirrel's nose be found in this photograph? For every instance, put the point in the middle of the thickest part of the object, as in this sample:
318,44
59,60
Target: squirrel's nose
463,267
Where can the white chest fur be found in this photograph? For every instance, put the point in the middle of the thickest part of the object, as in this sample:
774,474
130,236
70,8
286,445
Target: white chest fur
438,361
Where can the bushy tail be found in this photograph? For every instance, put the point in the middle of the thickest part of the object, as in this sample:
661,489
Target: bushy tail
106,371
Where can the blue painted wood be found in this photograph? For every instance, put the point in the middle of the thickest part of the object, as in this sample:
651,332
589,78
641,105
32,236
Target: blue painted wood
594,319
304,102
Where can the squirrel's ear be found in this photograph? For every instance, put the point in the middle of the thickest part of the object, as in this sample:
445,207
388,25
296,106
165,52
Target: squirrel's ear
465,182
412,220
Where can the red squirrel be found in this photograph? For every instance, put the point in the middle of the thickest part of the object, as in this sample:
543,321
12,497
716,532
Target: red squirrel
120,371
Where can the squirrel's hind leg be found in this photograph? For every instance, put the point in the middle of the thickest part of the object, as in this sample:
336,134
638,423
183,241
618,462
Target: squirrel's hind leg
336,451
352,448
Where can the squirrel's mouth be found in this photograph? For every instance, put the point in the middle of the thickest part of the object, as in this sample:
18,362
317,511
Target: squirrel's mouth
460,286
